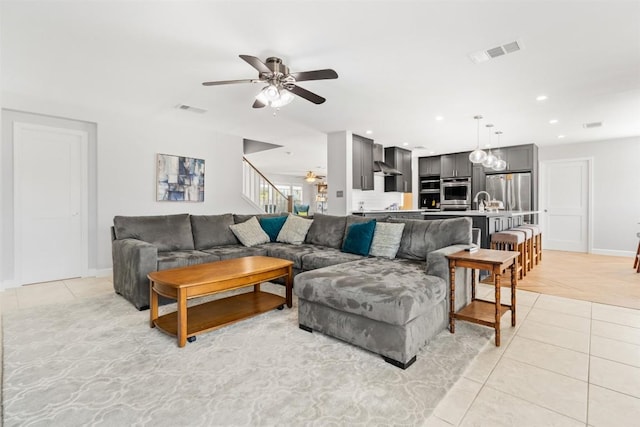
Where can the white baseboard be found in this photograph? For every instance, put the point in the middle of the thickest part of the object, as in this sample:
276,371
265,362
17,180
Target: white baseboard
610,252
8,284
101,272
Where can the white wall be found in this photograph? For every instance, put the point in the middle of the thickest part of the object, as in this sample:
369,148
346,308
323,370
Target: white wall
125,167
339,172
615,192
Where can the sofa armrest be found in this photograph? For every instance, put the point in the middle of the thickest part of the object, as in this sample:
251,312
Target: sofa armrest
132,261
438,265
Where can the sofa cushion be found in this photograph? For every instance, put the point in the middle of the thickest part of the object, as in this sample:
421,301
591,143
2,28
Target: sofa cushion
250,233
327,230
236,251
175,259
238,218
358,238
294,230
325,258
166,232
212,230
391,291
292,252
272,226
423,236
386,240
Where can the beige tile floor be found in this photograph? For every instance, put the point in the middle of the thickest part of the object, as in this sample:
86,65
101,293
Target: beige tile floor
567,362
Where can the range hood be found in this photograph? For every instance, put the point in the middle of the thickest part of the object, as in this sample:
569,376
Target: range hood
378,162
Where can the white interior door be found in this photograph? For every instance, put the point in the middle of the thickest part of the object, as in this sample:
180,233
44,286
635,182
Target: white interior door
566,205
50,193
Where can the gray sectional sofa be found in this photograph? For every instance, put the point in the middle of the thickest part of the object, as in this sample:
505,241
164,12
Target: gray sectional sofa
392,307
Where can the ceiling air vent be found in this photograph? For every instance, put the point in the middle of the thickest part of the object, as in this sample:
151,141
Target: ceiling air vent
190,108
494,52
592,125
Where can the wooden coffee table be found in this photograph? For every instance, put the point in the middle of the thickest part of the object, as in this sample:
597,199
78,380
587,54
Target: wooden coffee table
211,278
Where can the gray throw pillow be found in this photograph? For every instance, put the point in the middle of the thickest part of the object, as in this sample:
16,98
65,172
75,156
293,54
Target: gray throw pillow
250,233
386,239
294,230
210,231
327,230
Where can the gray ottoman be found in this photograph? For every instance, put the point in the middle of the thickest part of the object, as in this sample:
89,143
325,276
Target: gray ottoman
389,307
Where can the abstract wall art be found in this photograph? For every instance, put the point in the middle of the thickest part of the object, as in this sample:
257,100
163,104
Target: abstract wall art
179,179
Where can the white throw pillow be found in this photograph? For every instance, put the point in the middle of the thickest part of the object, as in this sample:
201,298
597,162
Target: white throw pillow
250,233
386,239
294,230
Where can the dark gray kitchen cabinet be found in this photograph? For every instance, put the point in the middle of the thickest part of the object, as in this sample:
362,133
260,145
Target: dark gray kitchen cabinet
400,159
455,165
518,157
428,166
362,165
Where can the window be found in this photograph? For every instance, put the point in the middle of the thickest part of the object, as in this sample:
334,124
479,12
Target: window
291,190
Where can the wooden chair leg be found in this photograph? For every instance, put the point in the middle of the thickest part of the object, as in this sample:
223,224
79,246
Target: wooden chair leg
636,261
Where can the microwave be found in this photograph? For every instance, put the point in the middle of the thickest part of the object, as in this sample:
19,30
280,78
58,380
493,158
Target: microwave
455,193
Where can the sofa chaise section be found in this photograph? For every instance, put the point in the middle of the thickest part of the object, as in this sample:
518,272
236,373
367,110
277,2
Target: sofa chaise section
392,307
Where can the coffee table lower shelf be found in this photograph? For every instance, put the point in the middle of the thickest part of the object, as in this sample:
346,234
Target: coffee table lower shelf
481,312
221,312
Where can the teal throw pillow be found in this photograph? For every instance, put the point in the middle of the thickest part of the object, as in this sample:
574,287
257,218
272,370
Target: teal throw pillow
359,237
272,226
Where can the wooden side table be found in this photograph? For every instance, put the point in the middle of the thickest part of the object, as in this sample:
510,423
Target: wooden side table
487,313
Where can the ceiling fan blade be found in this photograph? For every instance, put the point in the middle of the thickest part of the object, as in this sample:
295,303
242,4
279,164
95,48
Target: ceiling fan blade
229,82
315,75
256,63
309,96
258,104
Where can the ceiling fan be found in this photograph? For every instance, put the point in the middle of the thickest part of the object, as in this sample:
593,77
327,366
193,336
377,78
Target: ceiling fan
281,84
311,177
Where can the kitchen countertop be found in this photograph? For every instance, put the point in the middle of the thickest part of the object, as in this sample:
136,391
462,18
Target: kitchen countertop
501,213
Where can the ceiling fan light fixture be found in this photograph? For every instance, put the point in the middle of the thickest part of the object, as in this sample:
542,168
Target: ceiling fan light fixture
311,177
285,98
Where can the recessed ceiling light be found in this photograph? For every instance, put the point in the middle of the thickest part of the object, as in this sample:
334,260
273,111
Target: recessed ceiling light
404,144
368,132
541,97
439,118
487,145
560,136
553,121
432,152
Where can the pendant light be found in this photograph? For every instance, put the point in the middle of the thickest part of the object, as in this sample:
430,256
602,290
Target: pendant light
490,160
477,155
500,164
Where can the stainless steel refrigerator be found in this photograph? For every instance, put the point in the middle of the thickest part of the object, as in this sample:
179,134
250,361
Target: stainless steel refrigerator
513,189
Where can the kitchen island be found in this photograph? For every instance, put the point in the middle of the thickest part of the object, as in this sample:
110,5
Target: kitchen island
487,222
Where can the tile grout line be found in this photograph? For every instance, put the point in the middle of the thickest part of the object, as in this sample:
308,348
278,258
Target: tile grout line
484,383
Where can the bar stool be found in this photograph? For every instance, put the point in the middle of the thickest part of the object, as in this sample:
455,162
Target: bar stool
636,261
537,241
528,243
511,241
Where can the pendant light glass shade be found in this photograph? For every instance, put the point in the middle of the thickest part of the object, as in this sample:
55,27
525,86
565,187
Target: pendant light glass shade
477,155
490,161
500,164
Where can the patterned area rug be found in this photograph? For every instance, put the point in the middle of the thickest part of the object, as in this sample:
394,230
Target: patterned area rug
97,362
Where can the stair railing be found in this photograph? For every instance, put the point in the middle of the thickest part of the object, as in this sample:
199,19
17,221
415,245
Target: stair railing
257,188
